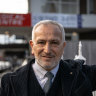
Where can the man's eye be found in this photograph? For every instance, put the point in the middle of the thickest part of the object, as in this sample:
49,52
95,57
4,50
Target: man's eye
40,42
54,42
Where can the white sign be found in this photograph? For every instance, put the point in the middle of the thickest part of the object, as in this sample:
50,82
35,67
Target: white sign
89,21
68,21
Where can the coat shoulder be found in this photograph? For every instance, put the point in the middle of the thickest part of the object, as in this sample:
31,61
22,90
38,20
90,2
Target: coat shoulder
20,70
73,63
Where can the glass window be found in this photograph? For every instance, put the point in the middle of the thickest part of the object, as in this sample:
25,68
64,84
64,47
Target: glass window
69,8
51,7
62,6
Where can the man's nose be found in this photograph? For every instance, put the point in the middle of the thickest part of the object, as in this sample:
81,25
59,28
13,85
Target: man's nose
47,48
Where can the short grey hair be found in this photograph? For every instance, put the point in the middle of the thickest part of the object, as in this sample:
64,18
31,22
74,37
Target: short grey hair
49,22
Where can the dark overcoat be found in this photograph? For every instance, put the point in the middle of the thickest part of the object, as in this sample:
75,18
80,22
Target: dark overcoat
76,79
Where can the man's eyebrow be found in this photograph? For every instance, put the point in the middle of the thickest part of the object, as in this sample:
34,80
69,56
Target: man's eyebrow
40,40
48,40
54,40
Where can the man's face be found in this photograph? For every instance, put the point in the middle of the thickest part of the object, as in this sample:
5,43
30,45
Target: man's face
47,46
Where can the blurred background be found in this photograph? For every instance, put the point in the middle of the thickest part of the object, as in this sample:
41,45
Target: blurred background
17,18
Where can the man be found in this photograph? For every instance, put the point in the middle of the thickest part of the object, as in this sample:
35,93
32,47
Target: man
47,74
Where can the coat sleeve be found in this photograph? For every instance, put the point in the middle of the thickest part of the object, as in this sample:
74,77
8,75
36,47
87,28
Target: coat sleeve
91,73
93,68
4,85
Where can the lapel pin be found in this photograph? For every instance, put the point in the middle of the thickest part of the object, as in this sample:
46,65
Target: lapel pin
71,73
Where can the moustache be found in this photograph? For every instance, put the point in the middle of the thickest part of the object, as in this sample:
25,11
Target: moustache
48,55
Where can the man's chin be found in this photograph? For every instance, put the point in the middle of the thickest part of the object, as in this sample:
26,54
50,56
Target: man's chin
47,64
48,67
47,59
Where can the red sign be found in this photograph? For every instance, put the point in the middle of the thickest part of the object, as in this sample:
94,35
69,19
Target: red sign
16,20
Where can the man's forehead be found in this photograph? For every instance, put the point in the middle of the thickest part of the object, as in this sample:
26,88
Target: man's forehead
46,35
50,26
47,32
48,38
45,39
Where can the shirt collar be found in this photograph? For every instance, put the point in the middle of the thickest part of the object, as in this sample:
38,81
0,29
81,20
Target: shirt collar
40,72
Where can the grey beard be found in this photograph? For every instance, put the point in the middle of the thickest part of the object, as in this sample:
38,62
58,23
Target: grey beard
47,67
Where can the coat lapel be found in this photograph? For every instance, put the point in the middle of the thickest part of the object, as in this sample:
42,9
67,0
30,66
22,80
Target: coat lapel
68,77
72,79
83,85
19,81
19,86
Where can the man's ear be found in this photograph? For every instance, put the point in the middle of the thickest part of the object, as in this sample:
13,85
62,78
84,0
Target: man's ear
64,44
31,45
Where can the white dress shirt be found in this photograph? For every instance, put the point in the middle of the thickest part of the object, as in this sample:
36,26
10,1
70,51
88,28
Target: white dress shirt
40,73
